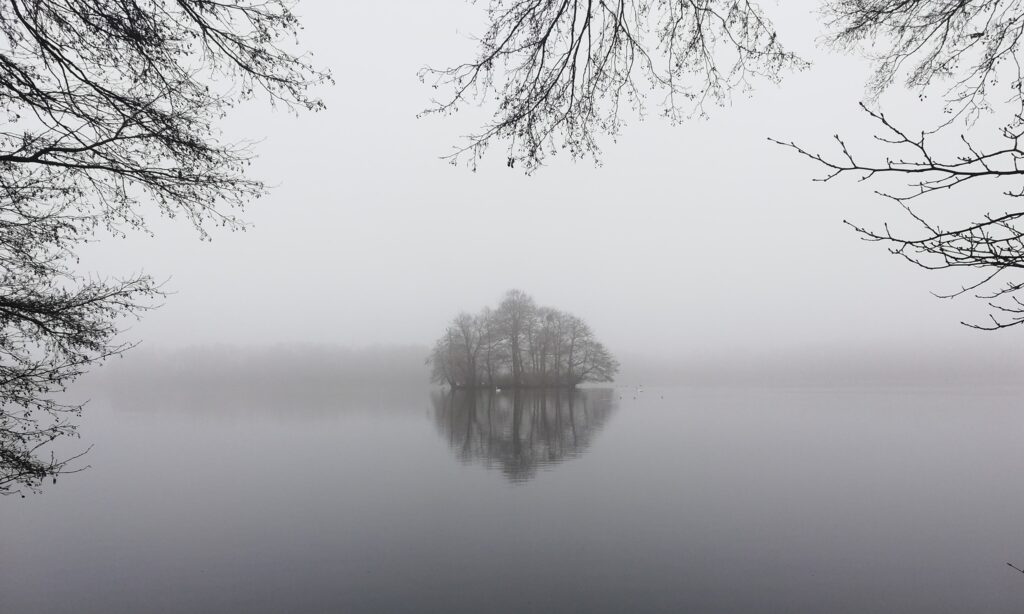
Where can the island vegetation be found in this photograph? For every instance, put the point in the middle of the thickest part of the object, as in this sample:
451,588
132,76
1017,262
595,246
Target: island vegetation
519,345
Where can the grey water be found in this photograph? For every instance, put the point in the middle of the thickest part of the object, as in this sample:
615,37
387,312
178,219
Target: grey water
391,498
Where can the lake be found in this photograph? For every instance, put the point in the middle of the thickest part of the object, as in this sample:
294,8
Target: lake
409,499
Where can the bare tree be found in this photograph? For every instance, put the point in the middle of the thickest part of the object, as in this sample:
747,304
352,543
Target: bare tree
443,362
515,316
971,50
967,47
993,244
564,71
112,111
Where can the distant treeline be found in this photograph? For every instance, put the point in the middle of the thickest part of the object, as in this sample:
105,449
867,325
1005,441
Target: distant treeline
519,345
297,378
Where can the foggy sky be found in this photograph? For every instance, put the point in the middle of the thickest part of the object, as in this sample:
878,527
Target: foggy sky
695,241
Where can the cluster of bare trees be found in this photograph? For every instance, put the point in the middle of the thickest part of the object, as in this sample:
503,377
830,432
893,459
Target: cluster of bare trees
519,345
561,74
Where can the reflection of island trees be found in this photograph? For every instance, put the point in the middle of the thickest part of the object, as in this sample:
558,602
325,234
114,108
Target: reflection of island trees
519,345
521,430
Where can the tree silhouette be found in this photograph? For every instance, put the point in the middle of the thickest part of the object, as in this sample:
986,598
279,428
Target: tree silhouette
971,50
112,111
519,345
994,244
563,71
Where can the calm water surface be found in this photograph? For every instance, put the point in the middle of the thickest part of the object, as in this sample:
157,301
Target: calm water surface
613,500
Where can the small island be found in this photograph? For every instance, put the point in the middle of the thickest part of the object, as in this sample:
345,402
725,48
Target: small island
519,345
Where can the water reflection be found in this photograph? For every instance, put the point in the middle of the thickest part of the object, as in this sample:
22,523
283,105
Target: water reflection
521,431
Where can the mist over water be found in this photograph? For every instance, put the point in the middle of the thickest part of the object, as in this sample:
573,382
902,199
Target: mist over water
720,400
245,482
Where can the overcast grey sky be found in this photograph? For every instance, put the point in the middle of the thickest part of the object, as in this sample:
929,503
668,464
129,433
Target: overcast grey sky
701,239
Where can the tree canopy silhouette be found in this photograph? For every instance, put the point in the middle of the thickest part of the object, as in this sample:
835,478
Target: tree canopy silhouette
111,117
972,51
562,74
519,345
563,71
